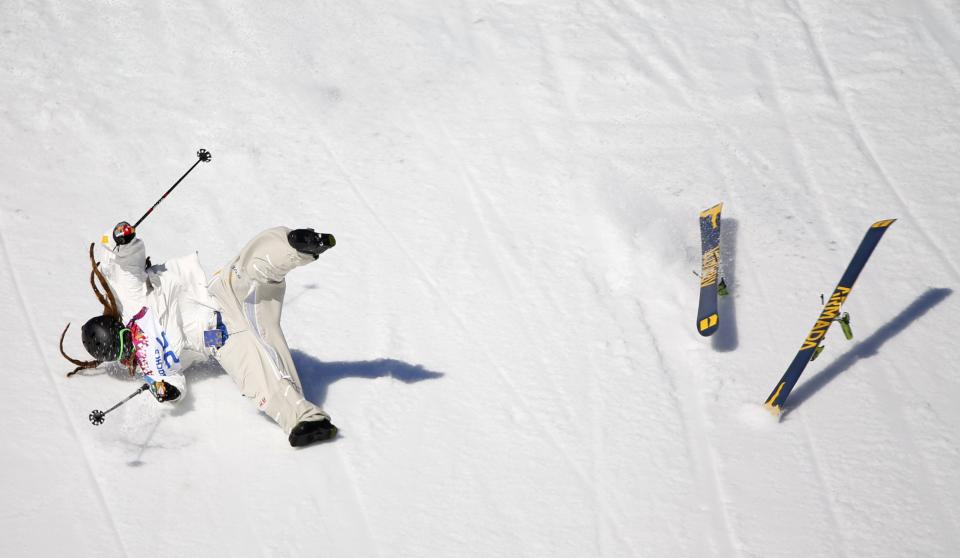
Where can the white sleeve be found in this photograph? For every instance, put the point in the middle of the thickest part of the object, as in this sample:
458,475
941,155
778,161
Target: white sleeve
124,268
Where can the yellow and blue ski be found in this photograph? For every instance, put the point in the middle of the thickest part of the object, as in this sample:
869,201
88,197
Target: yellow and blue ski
831,312
708,320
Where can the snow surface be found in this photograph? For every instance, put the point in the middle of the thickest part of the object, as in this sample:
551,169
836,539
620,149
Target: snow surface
505,330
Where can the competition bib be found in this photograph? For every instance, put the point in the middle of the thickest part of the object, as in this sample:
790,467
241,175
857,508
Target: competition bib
154,354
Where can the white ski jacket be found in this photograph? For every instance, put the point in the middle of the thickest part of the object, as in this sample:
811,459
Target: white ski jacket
174,291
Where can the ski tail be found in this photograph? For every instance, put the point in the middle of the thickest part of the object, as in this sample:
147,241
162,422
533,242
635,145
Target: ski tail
829,314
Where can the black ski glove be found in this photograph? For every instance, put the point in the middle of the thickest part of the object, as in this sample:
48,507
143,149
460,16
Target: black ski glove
124,233
164,391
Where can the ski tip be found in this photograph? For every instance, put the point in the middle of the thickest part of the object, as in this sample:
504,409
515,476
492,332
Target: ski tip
708,325
774,402
711,211
882,224
772,409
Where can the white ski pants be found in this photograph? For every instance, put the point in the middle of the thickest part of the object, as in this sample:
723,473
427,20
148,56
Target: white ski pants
249,292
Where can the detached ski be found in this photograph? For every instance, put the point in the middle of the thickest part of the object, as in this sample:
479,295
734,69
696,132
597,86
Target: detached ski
831,312
707,318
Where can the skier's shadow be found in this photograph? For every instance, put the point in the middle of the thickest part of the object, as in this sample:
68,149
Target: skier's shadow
868,347
316,375
726,339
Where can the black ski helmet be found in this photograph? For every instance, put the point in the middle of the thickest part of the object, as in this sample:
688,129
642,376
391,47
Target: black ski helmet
101,338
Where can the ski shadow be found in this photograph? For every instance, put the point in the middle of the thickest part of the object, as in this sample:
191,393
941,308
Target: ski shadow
726,338
868,347
316,375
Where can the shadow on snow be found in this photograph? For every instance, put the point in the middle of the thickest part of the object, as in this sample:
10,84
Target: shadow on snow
725,339
868,347
316,375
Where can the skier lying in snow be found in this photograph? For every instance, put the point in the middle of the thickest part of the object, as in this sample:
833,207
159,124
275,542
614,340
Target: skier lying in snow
175,318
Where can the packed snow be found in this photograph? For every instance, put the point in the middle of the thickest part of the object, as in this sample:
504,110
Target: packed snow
505,332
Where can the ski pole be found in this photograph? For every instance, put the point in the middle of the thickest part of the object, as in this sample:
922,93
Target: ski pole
202,155
96,417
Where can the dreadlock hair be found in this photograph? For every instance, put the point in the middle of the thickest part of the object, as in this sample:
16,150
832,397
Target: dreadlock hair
110,308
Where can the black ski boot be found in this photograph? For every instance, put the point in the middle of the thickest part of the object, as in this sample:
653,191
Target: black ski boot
310,431
310,242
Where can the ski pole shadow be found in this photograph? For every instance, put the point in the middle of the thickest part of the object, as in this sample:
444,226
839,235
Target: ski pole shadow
306,288
137,460
316,375
869,346
726,338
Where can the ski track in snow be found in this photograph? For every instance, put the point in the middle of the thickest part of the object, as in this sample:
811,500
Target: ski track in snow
67,411
684,391
826,491
479,202
863,144
931,27
346,471
361,509
515,392
818,195
919,460
799,155
701,453
892,383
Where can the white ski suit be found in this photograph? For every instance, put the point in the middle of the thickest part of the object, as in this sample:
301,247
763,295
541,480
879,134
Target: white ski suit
247,292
